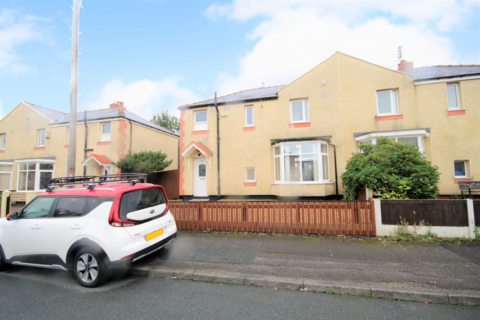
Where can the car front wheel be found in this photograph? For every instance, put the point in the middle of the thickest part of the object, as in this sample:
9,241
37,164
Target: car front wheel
89,268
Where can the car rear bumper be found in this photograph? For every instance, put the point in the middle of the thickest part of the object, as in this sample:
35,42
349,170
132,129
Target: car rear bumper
142,253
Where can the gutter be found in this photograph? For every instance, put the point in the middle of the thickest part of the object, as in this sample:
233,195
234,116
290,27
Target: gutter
229,102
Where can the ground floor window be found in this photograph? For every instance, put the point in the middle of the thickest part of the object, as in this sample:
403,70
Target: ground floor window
417,141
34,176
461,170
297,162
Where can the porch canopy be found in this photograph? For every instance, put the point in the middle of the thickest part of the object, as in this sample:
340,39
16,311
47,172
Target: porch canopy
93,161
196,147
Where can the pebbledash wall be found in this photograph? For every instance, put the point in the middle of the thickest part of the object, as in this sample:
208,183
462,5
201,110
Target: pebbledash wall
341,94
21,146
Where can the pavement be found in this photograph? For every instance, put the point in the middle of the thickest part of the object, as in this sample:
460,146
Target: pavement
408,271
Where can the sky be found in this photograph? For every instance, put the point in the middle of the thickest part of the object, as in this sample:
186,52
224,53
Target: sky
155,55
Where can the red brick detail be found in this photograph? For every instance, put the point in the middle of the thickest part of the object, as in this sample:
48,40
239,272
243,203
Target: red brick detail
388,118
182,147
245,129
38,148
199,132
122,139
2,151
65,146
249,184
104,143
456,113
457,180
300,125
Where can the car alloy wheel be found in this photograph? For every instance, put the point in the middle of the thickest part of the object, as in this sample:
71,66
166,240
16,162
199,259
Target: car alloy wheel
87,268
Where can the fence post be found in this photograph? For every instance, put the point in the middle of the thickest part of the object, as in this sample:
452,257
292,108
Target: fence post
471,219
378,217
5,195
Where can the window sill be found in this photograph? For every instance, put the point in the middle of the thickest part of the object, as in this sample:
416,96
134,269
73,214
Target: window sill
389,117
250,184
38,148
299,124
2,151
196,132
249,128
459,112
456,180
104,143
323,182
65,146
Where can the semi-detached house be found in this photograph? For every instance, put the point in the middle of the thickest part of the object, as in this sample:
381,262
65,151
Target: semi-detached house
295,140
34,143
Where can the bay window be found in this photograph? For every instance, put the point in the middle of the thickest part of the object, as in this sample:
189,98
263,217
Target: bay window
34,176
301,162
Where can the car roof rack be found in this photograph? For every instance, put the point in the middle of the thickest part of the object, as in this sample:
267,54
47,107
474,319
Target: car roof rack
92,181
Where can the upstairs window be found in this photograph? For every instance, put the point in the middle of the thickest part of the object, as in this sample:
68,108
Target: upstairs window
299,111
40,137
460,169
201,120
106,131
249,116
387,102
452,95
3,139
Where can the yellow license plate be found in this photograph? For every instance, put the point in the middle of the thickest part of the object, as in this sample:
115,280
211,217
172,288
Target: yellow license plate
153,235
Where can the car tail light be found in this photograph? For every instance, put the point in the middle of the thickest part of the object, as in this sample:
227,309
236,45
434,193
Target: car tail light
122,224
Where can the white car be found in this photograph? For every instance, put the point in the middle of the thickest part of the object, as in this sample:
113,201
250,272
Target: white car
93,228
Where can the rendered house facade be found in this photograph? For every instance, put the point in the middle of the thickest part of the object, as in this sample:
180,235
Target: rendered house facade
34,143
295,140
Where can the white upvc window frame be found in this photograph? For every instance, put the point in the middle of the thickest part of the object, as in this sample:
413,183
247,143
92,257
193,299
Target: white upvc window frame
37,170
7,172
393,98
40,137
457,96
105,136
200,125
254,174
320,155
465,164
305,111
246,116
3,140
419,134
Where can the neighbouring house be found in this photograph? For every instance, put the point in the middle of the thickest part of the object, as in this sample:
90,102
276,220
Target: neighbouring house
34,143
295,140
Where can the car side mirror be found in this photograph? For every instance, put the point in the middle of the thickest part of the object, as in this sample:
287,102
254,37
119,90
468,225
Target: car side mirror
12,216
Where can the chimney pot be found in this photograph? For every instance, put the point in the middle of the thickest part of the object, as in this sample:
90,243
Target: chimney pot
405,65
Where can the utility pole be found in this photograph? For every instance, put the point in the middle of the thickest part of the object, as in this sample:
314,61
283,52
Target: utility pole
72,138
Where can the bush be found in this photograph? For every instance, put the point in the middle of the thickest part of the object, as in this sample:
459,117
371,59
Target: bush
143,162
393,170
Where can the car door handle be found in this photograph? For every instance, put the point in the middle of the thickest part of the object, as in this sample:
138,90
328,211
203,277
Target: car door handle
36,226
76,226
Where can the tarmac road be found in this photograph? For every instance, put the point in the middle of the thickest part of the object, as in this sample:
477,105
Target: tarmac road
29,293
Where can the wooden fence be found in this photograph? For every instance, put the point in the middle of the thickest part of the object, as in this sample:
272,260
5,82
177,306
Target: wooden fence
169,180
325,217
448,213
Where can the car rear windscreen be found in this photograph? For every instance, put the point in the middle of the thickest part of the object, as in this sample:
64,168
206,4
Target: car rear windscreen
140,199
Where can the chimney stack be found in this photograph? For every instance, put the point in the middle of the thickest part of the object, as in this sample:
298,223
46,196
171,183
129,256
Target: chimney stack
405,65
119,105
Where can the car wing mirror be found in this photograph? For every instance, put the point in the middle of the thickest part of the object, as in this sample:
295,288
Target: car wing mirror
12,216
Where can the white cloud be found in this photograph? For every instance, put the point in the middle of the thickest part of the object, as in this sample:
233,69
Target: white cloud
295,36
144,97
15,31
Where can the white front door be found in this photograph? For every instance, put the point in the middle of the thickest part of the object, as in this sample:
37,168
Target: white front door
200,177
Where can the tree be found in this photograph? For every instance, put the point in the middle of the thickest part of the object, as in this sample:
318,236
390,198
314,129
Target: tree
167,121
394,170
143,162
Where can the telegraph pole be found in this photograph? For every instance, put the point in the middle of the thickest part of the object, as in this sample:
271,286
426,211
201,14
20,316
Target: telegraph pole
72,138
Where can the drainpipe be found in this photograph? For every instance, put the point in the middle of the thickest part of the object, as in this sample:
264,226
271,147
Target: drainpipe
218,146
335,162
86,135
